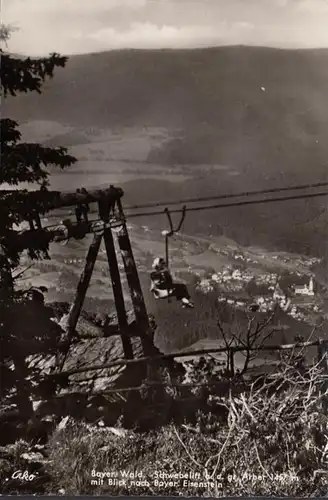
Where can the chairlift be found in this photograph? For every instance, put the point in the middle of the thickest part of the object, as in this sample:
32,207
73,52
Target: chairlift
162,285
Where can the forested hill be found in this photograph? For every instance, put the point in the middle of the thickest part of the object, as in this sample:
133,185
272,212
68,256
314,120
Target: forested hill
262,111
246,105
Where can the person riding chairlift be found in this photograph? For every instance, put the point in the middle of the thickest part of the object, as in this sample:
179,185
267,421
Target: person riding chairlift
162,285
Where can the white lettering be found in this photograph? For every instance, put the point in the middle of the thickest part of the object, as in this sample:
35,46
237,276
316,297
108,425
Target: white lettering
23,476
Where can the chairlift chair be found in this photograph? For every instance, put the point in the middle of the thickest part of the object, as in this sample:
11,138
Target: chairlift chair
162,285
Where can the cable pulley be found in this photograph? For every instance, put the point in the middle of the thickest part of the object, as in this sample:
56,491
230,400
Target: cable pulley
61,234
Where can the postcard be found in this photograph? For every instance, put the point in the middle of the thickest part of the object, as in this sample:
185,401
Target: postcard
163,248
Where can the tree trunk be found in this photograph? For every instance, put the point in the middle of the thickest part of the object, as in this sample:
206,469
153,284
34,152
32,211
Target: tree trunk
24,403
6,279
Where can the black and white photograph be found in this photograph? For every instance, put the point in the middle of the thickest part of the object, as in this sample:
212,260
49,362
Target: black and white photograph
163,248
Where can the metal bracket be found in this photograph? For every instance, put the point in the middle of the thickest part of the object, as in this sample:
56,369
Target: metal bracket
172,230
66,231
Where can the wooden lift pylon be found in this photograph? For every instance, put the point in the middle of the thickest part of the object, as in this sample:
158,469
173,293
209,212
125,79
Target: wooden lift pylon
111,221
106,210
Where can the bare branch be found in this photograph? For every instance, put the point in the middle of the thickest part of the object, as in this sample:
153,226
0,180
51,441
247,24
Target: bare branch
186,449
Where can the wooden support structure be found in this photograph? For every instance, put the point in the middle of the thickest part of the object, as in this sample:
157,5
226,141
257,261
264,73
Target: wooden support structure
110,216
137,297
132,273
76,230
41,202
51,200
84,284
197,352
104,212
81,291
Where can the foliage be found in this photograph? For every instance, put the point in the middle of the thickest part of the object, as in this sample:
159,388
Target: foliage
265,436
25,325
179,328
20,458
273,441
23,162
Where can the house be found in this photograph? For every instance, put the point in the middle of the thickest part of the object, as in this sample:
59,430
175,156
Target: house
278,293
305,289
237,274
285,304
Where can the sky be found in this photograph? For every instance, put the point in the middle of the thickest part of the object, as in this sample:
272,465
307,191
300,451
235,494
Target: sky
83,26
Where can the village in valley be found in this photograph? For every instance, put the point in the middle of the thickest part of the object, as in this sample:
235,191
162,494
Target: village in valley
248,286
248,279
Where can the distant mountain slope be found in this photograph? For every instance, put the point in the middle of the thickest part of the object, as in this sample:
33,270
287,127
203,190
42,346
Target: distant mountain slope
262,111
243,106
236,105
184,80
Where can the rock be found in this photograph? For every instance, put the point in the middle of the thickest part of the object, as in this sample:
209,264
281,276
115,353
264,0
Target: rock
62,424
36,405
117,432
39,447
32,456
4,452
105,448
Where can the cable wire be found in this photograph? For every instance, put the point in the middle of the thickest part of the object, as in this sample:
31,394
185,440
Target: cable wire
216,206
221,197
234,204
226,196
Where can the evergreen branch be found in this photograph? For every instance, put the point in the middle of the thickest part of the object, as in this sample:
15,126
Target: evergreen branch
27,75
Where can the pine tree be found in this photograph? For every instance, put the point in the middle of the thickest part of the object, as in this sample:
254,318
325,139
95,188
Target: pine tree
23,162
25,326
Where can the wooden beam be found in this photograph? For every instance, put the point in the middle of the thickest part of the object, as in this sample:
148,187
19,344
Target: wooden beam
81,291
132,274
140,311
116,283
110,194
23,203
199,352
84,282
142,321
76,230
132,277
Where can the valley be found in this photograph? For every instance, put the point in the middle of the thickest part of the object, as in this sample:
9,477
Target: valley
218,272
205,134
167,125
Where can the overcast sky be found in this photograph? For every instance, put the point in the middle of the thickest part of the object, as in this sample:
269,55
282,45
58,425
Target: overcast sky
80,26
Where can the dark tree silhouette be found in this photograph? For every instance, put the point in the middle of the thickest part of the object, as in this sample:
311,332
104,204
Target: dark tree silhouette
23,162
25,326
